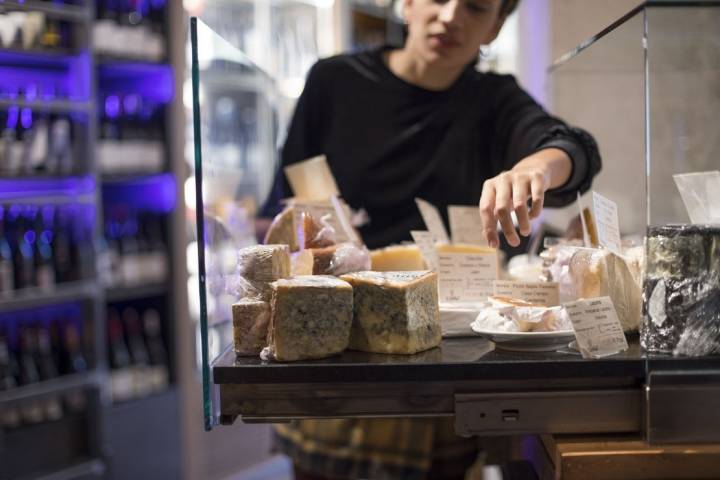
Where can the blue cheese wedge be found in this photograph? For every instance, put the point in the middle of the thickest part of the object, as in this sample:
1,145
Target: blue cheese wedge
394,312
251,319
311,318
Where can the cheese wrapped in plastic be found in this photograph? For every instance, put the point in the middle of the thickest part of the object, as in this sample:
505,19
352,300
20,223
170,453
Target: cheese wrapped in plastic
504,314
259,265
600,273
282,230
334,260
311,318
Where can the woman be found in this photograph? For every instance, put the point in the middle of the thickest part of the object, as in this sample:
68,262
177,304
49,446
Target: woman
420,121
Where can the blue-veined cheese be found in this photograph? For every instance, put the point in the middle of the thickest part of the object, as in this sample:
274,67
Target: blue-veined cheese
311,317
394,312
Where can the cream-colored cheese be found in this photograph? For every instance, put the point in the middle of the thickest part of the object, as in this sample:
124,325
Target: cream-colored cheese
251,319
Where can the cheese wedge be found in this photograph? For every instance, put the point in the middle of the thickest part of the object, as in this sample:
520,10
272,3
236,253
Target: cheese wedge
251,319
397,258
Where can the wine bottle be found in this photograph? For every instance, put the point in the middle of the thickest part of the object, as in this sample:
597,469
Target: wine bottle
31,411
51,405
142,383
121,379
160,368
9,414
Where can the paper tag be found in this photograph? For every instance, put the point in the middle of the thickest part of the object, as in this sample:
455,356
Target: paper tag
312,179
539,293
608,227
466,277
318,211
597,328
466,225
425,243
433,221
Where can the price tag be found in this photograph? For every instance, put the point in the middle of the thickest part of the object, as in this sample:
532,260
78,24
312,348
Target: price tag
539,293
466,225
318,210
597,328
608,227
433,221
466,277
425,243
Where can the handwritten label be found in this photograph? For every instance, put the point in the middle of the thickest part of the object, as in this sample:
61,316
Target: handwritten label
608,227
466,277
433,221
539,293
426,244
598,331
466,225
318,211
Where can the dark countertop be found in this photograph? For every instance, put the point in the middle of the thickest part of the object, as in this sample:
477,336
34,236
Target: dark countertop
456,359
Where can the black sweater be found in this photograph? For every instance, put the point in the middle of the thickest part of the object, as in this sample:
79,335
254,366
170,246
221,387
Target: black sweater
388,141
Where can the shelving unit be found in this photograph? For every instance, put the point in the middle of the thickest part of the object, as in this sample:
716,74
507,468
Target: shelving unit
93,443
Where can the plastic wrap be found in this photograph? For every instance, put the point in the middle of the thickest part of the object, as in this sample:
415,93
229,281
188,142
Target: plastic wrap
312,233
349,258
259,265
556,268
502,314
600,273
282,230
681,290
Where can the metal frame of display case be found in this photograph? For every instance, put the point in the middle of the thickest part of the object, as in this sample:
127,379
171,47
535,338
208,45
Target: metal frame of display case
488,391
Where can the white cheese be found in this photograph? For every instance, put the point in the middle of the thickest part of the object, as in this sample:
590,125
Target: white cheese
261,264
251,319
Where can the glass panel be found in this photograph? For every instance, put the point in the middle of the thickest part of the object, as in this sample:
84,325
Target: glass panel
235,160
600,87
684,100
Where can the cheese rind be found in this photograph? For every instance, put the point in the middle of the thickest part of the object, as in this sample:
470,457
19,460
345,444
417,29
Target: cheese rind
311,317
261,264
251,319
282,230
394,312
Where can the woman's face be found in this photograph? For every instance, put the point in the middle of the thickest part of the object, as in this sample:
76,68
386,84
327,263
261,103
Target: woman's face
449,33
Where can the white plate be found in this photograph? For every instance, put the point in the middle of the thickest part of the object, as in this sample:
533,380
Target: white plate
529,341
455,320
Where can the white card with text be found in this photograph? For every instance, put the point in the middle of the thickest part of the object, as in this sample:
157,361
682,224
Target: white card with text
466,277
426,244
598,331
466,225
433,220
608,226
539,293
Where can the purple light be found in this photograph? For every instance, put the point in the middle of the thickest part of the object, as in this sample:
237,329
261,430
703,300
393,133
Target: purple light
131,103
13,115
48,213
45,77
46,237
30,237
153,193
112,106
31,92
152,82
26,118
14,212
20,188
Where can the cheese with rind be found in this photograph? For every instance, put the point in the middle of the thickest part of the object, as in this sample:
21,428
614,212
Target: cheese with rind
251,319
283,230
311,317
261,264
394,312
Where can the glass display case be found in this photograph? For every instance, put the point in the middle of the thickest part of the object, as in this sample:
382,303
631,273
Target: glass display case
644,87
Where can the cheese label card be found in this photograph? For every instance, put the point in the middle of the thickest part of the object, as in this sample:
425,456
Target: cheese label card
433,221
539,293
608,227
425,243
598,331
466,277
319,210
312,179
466,225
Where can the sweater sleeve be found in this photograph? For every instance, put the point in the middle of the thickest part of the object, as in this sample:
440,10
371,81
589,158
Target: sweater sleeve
524,127
304,138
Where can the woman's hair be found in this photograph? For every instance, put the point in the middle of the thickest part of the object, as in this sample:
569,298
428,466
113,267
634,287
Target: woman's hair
508,7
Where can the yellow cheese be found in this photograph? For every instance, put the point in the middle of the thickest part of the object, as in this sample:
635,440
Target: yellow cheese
282,230
397,258
463,248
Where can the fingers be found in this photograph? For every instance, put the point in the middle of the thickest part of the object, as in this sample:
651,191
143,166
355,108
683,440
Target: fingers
503,208
537,189
520,193
487,214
